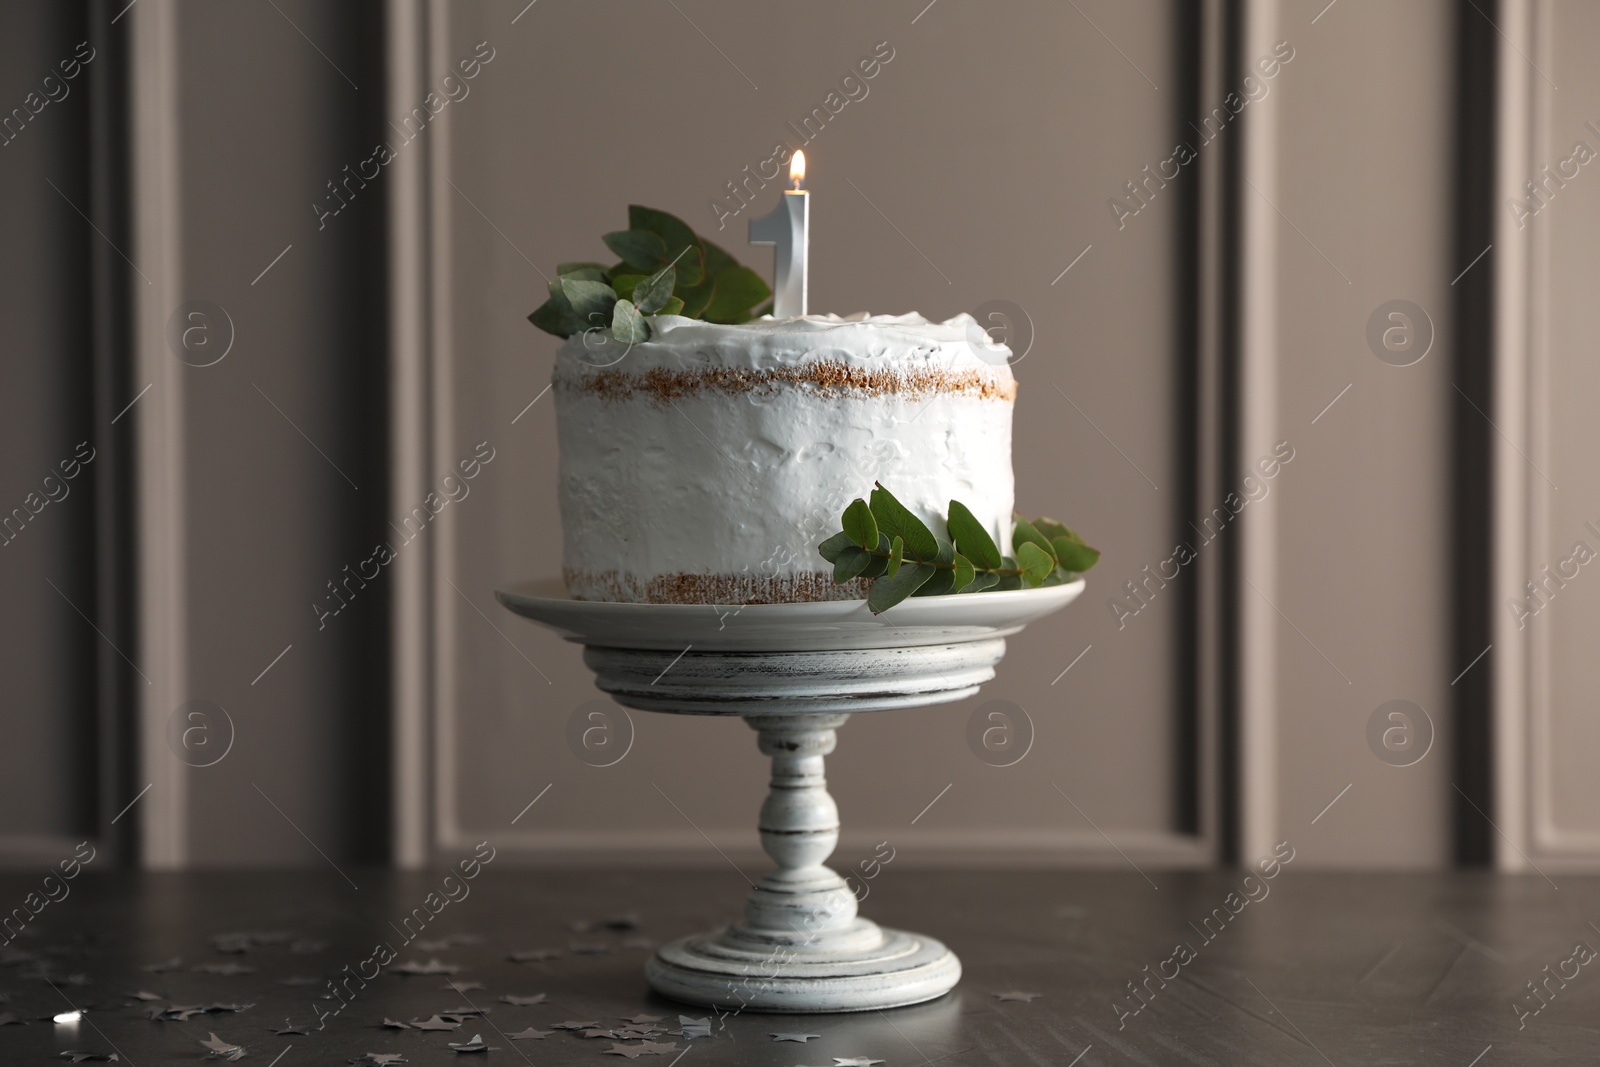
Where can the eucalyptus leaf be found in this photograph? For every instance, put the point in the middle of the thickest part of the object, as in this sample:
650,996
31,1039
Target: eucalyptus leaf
556,316
638,248
983,580
627,325
1035,562
696,297
1007,582
971,538
895,520
584,273
652,294
888,591
833,546
677,235
850,564
588,298
1025,534
1053,529
624,284
896,554
673,306
963,574
942,582
860,525
738,290
1074,555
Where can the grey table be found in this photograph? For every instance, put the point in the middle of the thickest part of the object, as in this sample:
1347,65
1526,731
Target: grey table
1318,969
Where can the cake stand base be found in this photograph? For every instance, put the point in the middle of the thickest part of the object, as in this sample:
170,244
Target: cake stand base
801,947
895,969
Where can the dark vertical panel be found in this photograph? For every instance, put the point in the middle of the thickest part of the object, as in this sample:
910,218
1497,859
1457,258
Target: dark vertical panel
49,651
1472,443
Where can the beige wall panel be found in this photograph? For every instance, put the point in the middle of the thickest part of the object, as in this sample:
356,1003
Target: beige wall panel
978,167
1365,138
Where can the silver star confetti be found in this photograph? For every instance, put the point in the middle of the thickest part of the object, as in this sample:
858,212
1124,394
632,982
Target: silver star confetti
222,1049
801,1038
524,1002
530,1034
1026,998
475,1045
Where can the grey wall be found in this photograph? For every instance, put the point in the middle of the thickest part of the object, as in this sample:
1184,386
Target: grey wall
1226,312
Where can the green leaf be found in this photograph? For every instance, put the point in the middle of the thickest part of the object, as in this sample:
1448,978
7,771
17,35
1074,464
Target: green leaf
652,294
1053,529
877,568
624,284
896,521
1007,582
638,248
1025,534
677,235
963,574
696,297
588,298
888,591
738,290
717,261
851,562
1074,555
556,316
971,539
833,546
1035,562
896,554
984,580
673,306
583,272
627,325
860,525
942,582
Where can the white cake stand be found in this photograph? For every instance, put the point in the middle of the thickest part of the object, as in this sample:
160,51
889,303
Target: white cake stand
795,673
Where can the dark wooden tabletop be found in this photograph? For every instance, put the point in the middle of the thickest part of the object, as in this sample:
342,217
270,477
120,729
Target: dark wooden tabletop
1306,968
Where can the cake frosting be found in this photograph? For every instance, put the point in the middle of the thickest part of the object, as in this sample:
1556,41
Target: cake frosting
706,464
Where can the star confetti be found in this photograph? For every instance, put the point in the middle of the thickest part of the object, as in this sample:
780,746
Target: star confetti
598,1031
659,1048
8,1018
854,1061
74,1056
524,1002
379,1059
530,1034
475,1045
570,1025
691,1028
433,966
801,1038
435,1023
222,1049
461,1015
289,1028
394,1024
644,1020
633,1052
464,987
164,966
534,955
145,994
1025,998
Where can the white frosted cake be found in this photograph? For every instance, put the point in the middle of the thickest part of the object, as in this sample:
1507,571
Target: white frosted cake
707,464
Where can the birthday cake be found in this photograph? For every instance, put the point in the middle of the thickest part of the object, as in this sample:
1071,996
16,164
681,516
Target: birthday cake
706,465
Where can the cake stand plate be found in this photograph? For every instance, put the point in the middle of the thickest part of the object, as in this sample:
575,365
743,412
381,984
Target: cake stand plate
795,673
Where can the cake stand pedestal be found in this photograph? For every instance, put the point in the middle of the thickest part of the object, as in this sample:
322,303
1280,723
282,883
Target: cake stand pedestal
795,673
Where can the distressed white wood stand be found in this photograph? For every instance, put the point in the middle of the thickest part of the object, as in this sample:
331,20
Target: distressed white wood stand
801,947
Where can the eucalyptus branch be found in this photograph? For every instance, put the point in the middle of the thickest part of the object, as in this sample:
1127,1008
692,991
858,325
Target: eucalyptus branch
885,542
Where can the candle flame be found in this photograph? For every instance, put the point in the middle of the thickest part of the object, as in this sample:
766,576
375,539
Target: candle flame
797,169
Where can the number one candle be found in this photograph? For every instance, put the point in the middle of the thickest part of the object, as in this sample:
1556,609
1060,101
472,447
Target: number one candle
788,228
